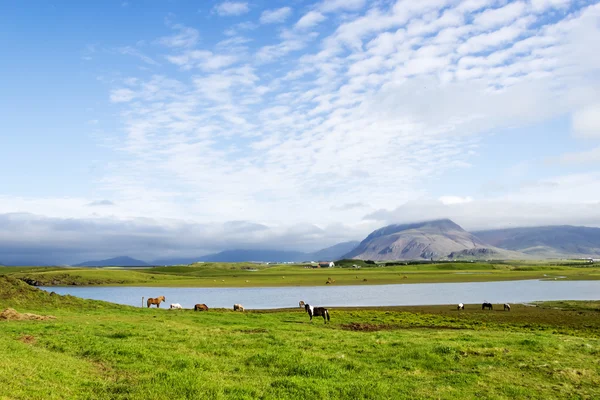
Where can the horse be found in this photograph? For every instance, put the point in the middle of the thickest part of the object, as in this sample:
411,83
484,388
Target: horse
487,305
155,301
200,307
317,312
176,306
506,307
301,304
461,306
238,307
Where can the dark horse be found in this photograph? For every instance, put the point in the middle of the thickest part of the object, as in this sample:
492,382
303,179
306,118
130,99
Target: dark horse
317,312
200,307
487,305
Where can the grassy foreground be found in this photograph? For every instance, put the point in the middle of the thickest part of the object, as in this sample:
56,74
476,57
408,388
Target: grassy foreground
104,351
249,275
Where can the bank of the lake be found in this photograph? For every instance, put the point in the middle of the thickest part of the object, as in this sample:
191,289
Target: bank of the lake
244,275
348,296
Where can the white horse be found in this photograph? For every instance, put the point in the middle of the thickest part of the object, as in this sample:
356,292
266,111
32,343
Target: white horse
238,307
461,306
176,306
506,307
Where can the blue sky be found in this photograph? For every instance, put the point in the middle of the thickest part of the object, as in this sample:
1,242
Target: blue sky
292,124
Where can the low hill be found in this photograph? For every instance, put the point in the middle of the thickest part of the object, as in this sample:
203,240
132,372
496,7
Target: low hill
438,239
564,241
16,293
332,253
115,262
254,255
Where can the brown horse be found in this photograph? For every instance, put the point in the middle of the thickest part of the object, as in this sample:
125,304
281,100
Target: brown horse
301,304
155,301
200,307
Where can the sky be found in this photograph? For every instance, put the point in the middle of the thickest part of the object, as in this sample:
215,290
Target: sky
180,128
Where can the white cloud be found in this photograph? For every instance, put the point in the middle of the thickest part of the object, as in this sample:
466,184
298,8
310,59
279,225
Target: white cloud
586,121
345,5
447,200
231,8
492,18
127,50
203,59
121,95
187,37
275,16
543,5
583,157
310,19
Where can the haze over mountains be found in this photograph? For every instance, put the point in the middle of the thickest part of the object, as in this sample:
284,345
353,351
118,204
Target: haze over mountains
330,253
437,239
547,241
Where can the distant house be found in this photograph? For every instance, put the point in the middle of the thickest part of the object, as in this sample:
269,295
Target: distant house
326,264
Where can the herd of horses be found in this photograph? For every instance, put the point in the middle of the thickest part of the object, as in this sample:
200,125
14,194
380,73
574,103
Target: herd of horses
310,310
485,305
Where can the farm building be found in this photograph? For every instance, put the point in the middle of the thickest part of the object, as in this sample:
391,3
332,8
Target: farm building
326,264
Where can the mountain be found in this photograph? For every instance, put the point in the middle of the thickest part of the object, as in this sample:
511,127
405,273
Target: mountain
334,252
564,241
437,239
254,255
330,253
114,262
176,261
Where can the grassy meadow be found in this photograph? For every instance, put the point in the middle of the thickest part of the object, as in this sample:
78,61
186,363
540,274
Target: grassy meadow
253,275
98,350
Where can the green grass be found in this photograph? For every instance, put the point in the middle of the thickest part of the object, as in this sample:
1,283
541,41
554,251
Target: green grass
97,350
249,275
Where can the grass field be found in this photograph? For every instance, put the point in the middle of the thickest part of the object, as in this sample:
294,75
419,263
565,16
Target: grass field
250,275
99,350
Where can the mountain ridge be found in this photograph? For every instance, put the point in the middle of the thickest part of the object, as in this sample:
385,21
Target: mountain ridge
551,241
434,239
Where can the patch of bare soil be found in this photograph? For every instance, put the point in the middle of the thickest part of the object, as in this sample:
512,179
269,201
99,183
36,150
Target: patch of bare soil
27,339
365,327
10,314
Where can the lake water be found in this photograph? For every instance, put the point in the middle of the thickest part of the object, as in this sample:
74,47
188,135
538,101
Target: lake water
338,296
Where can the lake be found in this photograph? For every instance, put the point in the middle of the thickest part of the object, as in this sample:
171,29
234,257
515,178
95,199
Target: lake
338,296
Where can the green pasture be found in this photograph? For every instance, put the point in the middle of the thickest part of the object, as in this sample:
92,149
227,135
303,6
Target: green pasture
251,275
98,350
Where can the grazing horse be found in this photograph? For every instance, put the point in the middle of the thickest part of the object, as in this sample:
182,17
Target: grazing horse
461,306
238,307
155,301
301,304
200,307
317,312
176,306
506,307
487,305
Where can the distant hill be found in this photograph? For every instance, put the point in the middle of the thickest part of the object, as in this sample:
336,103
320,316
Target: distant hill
563,241
328,254
114,262
334,252
254,255
438,239
176,261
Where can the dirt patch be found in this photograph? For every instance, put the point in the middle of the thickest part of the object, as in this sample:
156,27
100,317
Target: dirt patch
10,314
27,339
365,327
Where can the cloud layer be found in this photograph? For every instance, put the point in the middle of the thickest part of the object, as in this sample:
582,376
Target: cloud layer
323,114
